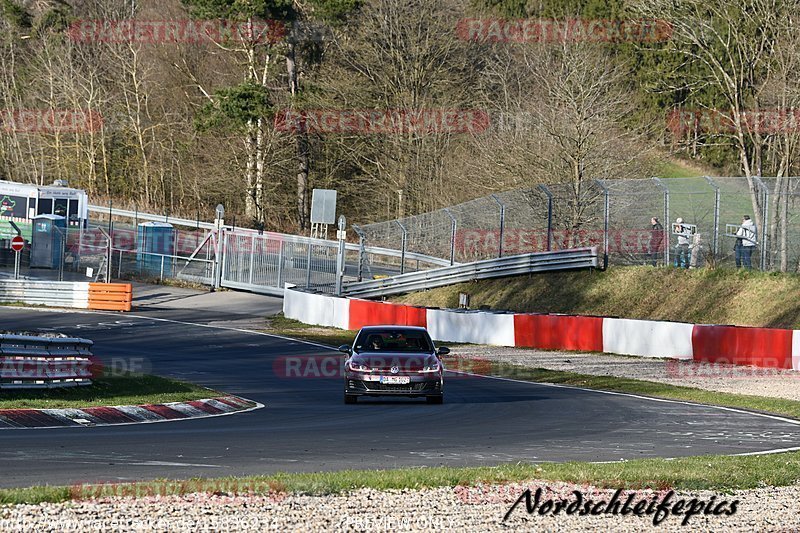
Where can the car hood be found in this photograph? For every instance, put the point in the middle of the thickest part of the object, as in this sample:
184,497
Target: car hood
408,362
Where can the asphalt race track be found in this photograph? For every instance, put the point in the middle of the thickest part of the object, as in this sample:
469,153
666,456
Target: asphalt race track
306,427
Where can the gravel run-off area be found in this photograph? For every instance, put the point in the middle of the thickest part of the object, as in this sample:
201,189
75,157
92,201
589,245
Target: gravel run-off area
771,382
480,508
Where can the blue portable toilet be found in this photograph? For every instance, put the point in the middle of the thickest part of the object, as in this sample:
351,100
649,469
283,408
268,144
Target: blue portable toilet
47,236
154,241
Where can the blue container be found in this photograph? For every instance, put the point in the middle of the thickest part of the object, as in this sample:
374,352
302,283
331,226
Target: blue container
47,239
155,242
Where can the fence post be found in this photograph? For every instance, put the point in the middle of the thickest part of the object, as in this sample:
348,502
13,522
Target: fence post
308,264
502,224
108,254
362,252
217,234
606,205
715,241
340,255
549,194
666,224
219,260
79,255
402,247
280,263
452,236
252,255
63,254
764,221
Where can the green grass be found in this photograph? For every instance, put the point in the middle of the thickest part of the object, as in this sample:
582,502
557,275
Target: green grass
280,325
719,473
128,389
676,169
710,296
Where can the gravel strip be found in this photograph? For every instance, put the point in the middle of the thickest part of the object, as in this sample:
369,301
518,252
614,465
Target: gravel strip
443,509
770,382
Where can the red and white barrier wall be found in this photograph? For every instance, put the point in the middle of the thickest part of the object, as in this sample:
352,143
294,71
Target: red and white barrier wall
763,347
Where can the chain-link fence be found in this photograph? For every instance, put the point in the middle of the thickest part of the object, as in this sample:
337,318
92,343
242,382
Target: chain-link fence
617,216
689,222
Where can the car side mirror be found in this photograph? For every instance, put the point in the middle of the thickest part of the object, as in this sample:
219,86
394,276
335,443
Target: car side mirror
344,348
443,350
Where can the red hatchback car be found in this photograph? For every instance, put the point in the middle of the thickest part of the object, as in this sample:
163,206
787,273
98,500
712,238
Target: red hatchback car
394,361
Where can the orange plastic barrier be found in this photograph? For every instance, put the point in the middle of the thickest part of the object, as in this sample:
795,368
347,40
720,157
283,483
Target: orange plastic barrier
110,296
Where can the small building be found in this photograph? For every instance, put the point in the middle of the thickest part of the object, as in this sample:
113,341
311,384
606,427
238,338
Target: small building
21,202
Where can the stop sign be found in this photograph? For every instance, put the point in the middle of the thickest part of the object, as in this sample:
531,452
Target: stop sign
17,243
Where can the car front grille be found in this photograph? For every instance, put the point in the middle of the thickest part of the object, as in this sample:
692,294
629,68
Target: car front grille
374,386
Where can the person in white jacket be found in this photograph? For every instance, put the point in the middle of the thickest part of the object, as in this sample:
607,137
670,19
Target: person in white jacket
682,248
745,242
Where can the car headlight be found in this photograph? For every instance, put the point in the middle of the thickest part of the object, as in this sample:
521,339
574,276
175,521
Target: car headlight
356,367
432,367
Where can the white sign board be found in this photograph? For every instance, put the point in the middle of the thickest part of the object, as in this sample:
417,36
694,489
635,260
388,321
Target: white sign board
684,229
323,206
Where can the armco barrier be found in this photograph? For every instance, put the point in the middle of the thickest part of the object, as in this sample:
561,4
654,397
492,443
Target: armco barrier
53,293
647,338
559,332
764,347
74,294
44,362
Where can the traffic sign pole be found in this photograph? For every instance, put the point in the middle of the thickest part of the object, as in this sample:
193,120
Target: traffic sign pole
17,244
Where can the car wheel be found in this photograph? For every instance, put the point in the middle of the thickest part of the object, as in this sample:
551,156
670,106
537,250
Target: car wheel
435,399
350,398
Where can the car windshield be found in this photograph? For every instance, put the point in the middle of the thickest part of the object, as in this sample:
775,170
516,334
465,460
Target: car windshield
393,341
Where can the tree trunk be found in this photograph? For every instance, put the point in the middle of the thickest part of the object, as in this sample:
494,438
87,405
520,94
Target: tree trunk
301,142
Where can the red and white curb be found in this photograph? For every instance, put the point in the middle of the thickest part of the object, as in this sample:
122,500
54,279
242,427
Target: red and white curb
125,414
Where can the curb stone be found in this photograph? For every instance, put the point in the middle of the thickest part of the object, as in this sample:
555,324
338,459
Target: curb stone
124,414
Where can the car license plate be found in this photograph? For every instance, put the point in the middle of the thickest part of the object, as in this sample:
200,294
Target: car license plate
396,380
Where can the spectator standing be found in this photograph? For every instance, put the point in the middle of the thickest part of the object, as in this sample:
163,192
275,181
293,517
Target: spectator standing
682,248
696,253
656,240
745,243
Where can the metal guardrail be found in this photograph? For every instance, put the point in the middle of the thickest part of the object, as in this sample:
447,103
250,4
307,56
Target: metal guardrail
51,293
28,361
151,217
489,268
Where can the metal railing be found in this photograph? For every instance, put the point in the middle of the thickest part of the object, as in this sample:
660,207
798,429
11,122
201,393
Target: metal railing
39,292
486,269
44,362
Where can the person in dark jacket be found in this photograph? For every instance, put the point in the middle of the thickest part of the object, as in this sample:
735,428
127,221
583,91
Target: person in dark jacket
656,241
